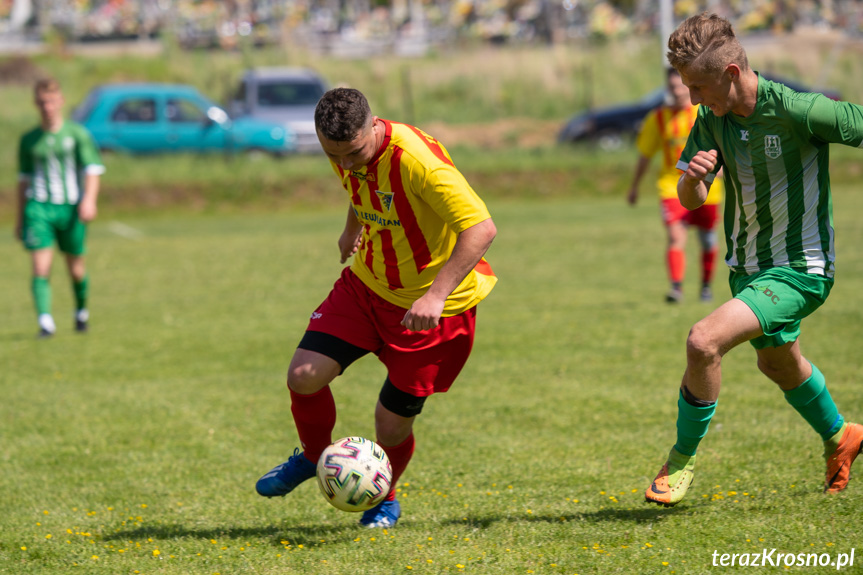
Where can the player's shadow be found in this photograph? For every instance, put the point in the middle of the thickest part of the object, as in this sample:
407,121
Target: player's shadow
314,535
646,515
306,535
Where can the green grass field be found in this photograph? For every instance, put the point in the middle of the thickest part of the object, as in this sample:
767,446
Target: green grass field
135,448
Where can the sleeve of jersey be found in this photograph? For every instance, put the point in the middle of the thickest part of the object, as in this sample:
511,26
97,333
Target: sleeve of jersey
88,153
447,192
836,122
700,138
648,142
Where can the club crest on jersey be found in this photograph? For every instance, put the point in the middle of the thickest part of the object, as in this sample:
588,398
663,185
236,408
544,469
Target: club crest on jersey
772,147
363,177
386,199
744,135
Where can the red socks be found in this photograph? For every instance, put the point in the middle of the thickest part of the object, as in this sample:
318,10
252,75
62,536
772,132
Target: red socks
315,417
676,265
708,259
400,455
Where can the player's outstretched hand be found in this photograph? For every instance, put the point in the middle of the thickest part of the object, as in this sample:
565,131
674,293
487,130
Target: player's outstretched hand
424,314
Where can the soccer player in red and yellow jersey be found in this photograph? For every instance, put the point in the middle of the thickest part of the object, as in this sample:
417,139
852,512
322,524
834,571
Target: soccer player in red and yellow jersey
666,129
418,233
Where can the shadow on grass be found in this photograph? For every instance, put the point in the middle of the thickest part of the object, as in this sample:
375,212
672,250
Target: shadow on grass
306,535
645,515
314,535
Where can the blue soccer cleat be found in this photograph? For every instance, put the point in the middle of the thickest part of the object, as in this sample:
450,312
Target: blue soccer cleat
384,514
284,478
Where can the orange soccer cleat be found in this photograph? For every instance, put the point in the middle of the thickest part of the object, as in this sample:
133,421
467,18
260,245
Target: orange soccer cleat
673,481
839,462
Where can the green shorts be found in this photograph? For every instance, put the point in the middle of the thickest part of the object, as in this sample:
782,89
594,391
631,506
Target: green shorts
44,223
781,298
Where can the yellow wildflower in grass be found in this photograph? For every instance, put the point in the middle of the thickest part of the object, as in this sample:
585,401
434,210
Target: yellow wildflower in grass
23,548
156,552
49,536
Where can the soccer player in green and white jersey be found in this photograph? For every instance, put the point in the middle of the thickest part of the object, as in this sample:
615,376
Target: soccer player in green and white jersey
773,143
59,171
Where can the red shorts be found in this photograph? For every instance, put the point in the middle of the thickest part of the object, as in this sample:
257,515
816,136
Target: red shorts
704,216
418,362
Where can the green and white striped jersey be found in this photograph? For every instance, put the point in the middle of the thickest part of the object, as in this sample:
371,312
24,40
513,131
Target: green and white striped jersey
778,209
53,163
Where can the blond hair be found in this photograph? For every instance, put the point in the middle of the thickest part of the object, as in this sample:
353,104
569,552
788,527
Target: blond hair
705,43
46,85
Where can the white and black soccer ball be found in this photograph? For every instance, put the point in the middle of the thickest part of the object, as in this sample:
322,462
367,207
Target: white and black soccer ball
354,474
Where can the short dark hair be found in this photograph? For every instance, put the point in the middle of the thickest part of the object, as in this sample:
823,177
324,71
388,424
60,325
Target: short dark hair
341,114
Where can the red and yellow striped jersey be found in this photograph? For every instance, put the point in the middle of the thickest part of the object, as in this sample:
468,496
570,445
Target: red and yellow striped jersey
667,129
412,203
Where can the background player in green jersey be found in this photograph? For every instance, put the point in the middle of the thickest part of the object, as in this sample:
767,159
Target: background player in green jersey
59,170
773,144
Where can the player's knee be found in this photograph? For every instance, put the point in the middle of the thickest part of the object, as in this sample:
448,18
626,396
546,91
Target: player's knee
305,379
701,347
391,433
707,238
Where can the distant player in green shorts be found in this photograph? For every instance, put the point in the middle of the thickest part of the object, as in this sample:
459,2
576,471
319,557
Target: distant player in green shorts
773,144
59,170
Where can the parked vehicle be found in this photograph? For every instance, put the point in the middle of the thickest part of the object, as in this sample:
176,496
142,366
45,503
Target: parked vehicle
284,95
148,118
610,127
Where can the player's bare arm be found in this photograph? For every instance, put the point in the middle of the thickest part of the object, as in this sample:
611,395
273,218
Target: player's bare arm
469,248
87,206
19,218
691,188
640,170
349,241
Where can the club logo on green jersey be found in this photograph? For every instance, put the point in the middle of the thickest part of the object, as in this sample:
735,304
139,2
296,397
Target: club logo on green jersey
772,147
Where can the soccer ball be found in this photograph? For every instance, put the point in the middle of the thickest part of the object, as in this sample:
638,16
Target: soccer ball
354,474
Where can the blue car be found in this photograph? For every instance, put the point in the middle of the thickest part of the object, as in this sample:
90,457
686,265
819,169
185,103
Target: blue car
151,118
